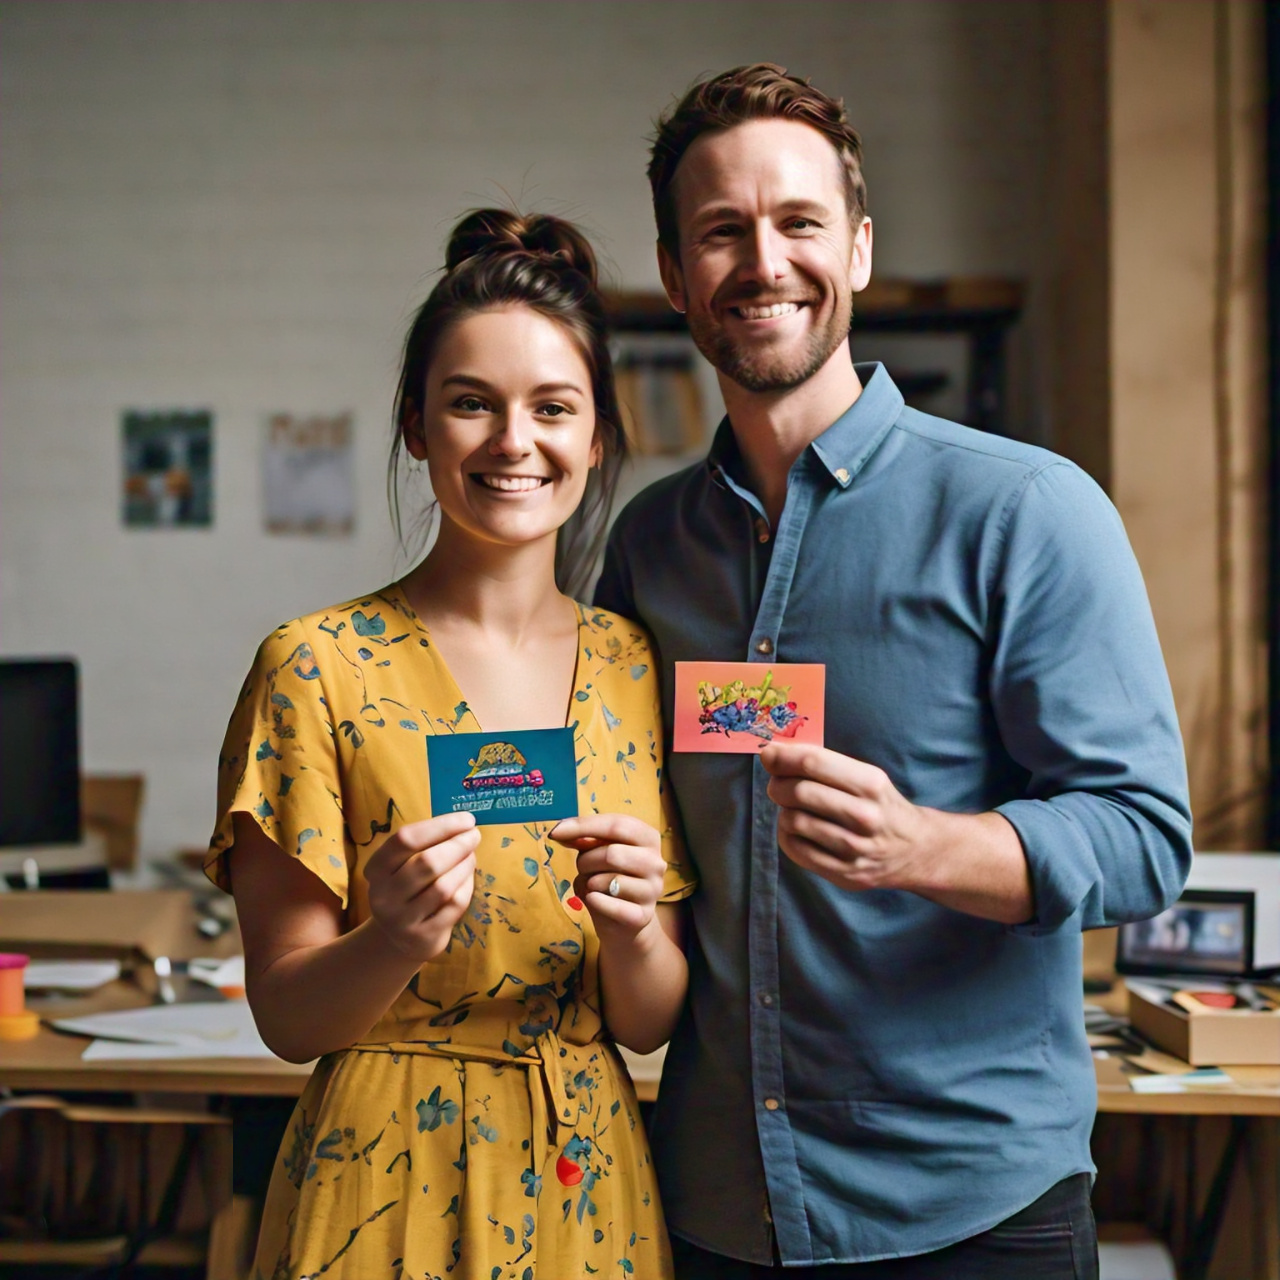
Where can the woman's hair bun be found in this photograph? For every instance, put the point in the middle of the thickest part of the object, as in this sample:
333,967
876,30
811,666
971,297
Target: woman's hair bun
541,235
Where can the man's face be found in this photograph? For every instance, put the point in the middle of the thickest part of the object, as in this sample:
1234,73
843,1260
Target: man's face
769,261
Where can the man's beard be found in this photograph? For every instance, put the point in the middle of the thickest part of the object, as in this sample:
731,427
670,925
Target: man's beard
761,371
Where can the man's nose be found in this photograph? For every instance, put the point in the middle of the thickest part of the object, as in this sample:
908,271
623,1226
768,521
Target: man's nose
511,435
766,255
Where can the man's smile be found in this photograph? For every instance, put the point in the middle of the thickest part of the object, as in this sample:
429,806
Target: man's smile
753,311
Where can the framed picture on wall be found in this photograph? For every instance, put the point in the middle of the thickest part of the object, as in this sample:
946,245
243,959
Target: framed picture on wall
308,485
168,468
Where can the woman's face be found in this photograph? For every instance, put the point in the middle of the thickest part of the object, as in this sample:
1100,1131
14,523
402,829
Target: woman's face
508,428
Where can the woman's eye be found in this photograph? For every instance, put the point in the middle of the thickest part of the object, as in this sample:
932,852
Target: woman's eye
469,404
554,410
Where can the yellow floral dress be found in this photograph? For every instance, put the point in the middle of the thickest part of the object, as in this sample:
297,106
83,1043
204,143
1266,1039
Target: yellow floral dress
486,1128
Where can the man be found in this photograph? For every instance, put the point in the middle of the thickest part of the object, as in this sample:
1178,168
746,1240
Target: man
882,1070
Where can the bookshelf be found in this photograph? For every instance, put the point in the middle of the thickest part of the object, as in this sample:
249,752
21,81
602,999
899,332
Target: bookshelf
977,310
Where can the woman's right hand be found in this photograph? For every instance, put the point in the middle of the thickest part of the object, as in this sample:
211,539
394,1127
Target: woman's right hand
420,882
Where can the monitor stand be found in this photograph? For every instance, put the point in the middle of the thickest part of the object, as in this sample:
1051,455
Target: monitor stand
56,866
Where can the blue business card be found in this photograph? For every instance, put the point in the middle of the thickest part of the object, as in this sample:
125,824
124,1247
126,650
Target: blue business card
528,775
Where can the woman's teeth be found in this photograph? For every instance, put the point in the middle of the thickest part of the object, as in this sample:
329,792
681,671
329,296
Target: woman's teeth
768,313
511,484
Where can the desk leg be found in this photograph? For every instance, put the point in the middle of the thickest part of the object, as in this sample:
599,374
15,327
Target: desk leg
1208,1223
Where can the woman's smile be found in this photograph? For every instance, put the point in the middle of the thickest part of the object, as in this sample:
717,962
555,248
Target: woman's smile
503,483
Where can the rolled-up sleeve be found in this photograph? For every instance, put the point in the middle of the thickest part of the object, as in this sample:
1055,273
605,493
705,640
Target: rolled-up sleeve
1083,703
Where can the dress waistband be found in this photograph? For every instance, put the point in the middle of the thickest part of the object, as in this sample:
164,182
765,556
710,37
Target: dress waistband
549,1101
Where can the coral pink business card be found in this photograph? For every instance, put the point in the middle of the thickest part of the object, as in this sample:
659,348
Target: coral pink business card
741,706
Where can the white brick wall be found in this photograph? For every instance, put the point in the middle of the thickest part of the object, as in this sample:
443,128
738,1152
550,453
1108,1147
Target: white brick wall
234,205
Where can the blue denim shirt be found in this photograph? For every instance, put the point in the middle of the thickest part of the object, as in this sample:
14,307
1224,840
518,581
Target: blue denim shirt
869,1075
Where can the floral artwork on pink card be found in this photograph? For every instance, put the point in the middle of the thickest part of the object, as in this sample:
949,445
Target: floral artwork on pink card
742,706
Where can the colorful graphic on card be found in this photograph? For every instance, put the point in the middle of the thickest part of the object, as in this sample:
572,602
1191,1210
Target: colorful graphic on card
528,775
741,706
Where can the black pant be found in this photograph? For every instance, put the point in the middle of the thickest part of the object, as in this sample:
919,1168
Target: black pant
1052,1239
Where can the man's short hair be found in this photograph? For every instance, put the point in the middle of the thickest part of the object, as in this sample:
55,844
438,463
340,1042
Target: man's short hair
761,91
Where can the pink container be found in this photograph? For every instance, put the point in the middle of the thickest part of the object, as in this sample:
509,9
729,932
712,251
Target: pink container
12,968
17,1022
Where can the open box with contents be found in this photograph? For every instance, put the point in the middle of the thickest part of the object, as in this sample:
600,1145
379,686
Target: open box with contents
1203,1035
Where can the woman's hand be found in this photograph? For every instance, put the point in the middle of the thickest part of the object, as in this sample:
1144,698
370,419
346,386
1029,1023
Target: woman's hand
620,870
643,975
420,882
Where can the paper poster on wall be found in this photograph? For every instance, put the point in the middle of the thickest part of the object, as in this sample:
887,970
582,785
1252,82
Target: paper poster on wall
168,468
307,481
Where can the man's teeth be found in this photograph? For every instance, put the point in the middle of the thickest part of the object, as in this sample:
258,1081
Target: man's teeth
511,484
768,313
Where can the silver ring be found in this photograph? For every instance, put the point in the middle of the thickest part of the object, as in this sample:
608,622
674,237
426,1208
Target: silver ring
615,887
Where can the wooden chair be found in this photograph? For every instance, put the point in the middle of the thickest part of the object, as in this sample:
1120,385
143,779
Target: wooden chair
108,1186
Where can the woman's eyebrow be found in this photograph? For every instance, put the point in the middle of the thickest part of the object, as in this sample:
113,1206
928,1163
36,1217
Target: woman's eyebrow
479,384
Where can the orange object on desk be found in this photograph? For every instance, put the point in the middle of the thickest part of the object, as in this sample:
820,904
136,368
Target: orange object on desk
17,1022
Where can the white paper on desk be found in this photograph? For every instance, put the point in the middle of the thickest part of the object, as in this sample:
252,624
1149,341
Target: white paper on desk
1201,1078
69,975
205,1029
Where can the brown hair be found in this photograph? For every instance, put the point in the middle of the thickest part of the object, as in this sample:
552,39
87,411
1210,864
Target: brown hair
498,258
762,91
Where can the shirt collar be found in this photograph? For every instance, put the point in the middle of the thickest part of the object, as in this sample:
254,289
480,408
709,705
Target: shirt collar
844,447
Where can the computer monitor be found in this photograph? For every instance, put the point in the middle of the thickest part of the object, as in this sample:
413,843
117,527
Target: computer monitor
40,820
39,752
1207,932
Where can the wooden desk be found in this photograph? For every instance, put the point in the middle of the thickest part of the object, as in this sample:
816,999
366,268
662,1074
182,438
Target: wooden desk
1191,1153
1202,1169
53,1062
159,922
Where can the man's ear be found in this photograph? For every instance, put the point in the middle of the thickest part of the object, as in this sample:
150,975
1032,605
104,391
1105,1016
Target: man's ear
860,259
415,439
672,278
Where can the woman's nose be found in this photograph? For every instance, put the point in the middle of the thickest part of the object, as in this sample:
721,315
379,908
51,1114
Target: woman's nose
511,436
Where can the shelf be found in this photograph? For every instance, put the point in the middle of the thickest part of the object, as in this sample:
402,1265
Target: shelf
981,308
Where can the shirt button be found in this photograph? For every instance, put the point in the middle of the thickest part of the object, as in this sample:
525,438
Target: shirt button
766,999
842,475
765,646
771,1104
762,529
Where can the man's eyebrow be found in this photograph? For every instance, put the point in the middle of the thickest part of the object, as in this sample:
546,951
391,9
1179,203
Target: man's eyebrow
717,213
730,213
479,384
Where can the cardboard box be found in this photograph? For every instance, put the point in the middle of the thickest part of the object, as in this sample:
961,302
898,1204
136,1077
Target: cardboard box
1216,1038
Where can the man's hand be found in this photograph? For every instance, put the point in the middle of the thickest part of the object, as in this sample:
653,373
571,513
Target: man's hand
421,880
616,850
844,820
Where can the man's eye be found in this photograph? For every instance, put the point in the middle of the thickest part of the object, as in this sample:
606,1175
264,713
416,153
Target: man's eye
802,224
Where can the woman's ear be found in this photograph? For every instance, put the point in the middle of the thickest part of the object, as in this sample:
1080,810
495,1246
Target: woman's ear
596,456
411,429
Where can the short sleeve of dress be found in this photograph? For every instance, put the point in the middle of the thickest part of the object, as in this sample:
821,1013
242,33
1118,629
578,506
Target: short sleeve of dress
279,764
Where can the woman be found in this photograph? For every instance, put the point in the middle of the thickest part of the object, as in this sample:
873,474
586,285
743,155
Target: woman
469,1116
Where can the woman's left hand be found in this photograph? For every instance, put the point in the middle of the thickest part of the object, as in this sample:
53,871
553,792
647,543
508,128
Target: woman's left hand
620,869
